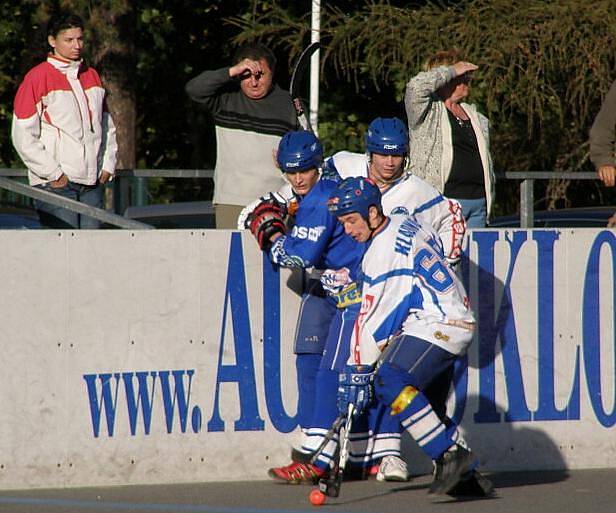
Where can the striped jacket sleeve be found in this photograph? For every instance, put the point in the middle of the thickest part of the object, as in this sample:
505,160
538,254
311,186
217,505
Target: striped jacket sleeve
26,129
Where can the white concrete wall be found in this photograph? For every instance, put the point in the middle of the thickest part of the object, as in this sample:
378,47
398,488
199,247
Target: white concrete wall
91,319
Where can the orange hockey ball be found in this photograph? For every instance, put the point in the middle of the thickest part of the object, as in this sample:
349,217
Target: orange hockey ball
317,497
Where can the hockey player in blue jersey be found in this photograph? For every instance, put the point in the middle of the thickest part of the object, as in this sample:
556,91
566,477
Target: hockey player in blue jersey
327,314
414,322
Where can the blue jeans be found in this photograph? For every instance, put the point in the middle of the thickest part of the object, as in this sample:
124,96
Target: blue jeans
52,216
474,211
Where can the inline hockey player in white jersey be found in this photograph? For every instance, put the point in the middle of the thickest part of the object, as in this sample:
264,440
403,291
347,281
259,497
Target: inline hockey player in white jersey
413,324
387,149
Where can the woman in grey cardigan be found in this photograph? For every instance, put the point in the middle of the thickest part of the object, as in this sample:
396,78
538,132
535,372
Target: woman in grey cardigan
450,143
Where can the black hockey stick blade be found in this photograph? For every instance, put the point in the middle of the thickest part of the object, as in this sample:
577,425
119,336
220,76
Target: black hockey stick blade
330,485
297,77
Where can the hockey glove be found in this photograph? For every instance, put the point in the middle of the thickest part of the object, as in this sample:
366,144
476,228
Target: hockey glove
265,221
272,198
355,387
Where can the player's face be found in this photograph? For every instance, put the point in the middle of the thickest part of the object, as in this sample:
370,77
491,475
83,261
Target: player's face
385,168
355,226
303,181
67,44
256,86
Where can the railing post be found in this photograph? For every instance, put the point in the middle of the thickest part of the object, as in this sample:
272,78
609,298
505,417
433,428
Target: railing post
527,201
140,194
121,194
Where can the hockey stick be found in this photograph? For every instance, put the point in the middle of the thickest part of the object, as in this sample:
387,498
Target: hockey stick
328,437
296,81
330,486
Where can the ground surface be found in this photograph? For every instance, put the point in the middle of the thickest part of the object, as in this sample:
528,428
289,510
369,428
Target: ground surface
587,491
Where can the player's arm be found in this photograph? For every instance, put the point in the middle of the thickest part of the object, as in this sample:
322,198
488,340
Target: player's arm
345,164
305,245
266,223
283,197
450,226
385,306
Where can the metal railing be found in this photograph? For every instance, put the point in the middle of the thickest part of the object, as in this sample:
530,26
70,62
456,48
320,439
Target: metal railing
72,205
527,188
121,190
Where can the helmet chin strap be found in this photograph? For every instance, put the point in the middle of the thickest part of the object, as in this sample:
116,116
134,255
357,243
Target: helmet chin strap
377,227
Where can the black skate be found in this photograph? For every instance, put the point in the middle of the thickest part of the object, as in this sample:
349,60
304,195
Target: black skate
450,467
473,484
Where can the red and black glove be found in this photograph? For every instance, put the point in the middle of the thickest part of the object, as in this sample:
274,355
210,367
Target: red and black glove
266,220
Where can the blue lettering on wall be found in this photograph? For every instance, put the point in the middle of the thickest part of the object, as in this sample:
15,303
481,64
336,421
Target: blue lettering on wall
591,324
460,381
271,348
107,401
493,324
174,395
243,372
547,409
179,396
166,394
145,398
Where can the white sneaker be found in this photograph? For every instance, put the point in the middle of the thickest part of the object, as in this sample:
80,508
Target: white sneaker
392,468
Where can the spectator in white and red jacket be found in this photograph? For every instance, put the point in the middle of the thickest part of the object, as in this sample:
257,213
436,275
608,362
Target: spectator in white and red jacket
61,127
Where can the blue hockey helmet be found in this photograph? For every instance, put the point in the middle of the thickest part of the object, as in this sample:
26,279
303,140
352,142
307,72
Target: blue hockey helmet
355,194
299,151
387,136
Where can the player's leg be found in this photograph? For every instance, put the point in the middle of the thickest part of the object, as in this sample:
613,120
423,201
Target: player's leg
335,356
407,367
313,322
472,484
387,442
319,406
374,441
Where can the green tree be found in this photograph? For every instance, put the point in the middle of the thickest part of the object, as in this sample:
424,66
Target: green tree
544,67
19,26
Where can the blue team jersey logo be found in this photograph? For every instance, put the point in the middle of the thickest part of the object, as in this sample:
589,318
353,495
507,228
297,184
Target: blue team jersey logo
400,210
311,233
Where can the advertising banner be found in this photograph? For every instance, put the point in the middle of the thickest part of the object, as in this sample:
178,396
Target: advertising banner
166,356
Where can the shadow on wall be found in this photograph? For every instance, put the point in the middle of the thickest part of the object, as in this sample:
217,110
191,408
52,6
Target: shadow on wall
500,447
499,435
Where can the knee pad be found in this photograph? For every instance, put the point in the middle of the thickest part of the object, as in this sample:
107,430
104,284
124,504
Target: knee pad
404,399
390,382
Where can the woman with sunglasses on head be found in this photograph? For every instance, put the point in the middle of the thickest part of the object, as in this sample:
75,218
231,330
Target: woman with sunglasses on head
450,138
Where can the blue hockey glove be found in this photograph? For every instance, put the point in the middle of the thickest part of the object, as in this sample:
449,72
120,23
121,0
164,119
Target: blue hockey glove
355,387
